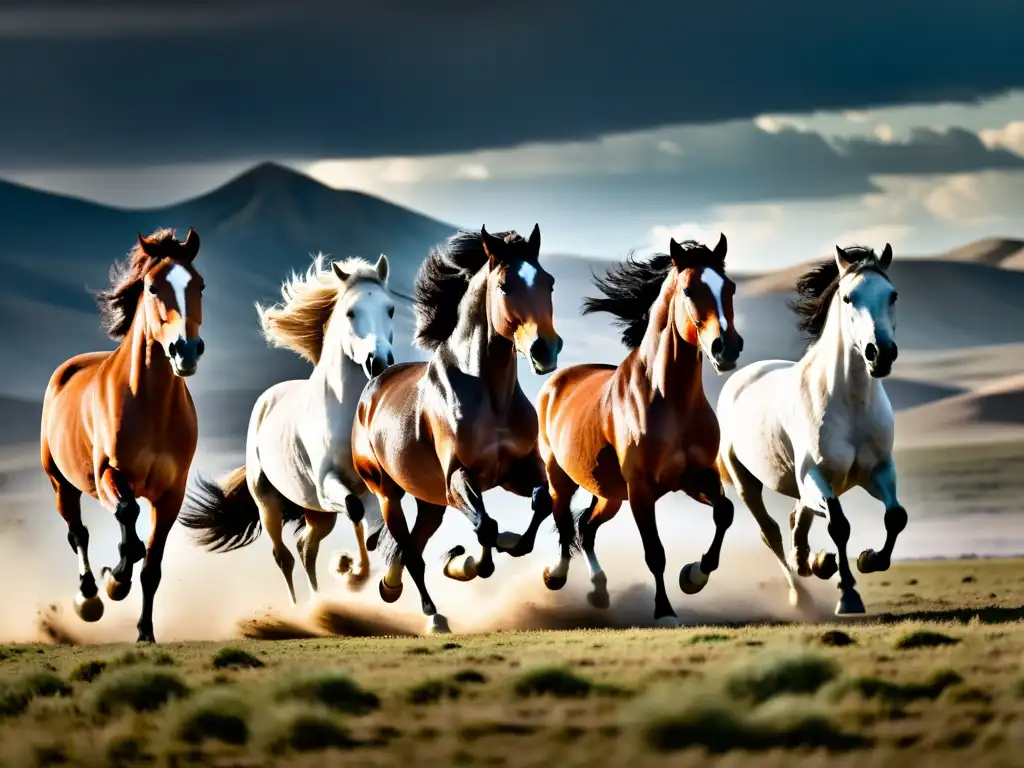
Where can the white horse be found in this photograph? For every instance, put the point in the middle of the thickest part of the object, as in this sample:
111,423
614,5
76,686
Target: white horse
814,429
298,457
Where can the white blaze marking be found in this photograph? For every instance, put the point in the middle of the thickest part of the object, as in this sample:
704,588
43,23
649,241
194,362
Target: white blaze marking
715,282
527,272
179,278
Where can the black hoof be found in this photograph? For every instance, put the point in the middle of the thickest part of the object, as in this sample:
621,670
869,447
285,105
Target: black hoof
554,583
872,562
372,539
598,597
825,565
692,582
89,609
116,590
850,604
146,637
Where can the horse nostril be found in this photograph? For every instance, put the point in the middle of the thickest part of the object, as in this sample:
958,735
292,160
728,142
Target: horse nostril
871,352
717,346
895,352
558,343
739,343
200,347
391,359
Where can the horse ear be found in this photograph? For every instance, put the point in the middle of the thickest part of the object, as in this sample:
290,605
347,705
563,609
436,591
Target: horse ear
190,247
339,272
535,240
492,245
678,255
886,258
382,268
722,247
145,244
842,260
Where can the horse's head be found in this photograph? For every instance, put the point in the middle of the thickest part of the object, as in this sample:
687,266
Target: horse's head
705,316
867,307
173,300
519,292
366,330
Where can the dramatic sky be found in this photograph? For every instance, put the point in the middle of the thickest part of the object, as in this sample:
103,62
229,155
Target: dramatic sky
790,126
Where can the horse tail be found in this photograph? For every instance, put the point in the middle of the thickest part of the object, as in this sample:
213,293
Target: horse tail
224,514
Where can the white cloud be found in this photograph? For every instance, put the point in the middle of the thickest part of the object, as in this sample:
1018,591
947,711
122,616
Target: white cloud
670,148
404,170
1010,136
473,171
884,132
778,123
977,199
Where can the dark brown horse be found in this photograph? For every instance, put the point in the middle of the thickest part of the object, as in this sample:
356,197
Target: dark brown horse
121,425
449,429
644,429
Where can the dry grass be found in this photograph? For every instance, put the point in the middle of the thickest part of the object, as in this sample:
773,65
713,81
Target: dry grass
936,680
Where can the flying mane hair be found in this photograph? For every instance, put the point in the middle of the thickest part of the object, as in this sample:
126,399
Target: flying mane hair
299,321
817,287
443,280
631,287
117,304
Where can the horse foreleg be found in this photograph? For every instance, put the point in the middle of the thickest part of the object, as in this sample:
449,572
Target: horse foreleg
527,478
597,514
823,565
165,512
694,576
116,493
464,496
882,485
816,493
654,553
88,604
318,527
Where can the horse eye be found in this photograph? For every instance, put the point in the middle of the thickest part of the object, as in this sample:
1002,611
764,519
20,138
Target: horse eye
847,300
391,311
686,292
892,299
152,289
350,314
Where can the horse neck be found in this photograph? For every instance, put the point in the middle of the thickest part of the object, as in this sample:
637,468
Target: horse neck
478,349
339,375
148,369
671,362
836,364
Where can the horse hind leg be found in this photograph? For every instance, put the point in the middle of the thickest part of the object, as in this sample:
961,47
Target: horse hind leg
597,514
318,527
272,505
115,490
824,564
88,604
750,490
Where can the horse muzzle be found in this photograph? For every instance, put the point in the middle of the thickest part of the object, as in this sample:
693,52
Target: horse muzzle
725,352
185,354
544,354
377,362
880,356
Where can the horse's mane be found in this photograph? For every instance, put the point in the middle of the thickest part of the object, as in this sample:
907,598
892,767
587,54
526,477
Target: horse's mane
443,280
817,287
299,321
117,304
631,287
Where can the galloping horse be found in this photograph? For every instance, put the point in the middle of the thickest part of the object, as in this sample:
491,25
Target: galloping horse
814,429
298,455
644,429
120,425
451,428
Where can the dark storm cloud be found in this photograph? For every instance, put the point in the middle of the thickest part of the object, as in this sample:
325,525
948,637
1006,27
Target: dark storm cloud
151,82
927,151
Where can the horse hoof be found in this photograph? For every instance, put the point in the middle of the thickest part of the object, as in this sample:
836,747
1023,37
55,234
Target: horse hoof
668,622
598,597
343,563
469,569
870,561
850,604
372,539
692,579
552,582
388,593
485,569
437,625
117,590
146,638
507,540
89,609
825,565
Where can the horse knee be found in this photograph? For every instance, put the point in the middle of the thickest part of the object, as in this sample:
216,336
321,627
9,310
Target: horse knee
895,519
284,559
541,501
354,508
838,525
723,513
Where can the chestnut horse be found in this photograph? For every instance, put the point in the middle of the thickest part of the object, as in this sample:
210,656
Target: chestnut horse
120,425
451,428
644,429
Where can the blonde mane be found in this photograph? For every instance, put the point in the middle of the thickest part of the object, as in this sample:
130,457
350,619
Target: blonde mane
299,322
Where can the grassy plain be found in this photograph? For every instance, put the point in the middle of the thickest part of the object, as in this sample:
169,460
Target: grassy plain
934,679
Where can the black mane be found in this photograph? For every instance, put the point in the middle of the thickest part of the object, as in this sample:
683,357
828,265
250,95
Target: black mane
631,287
816,289
442,281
